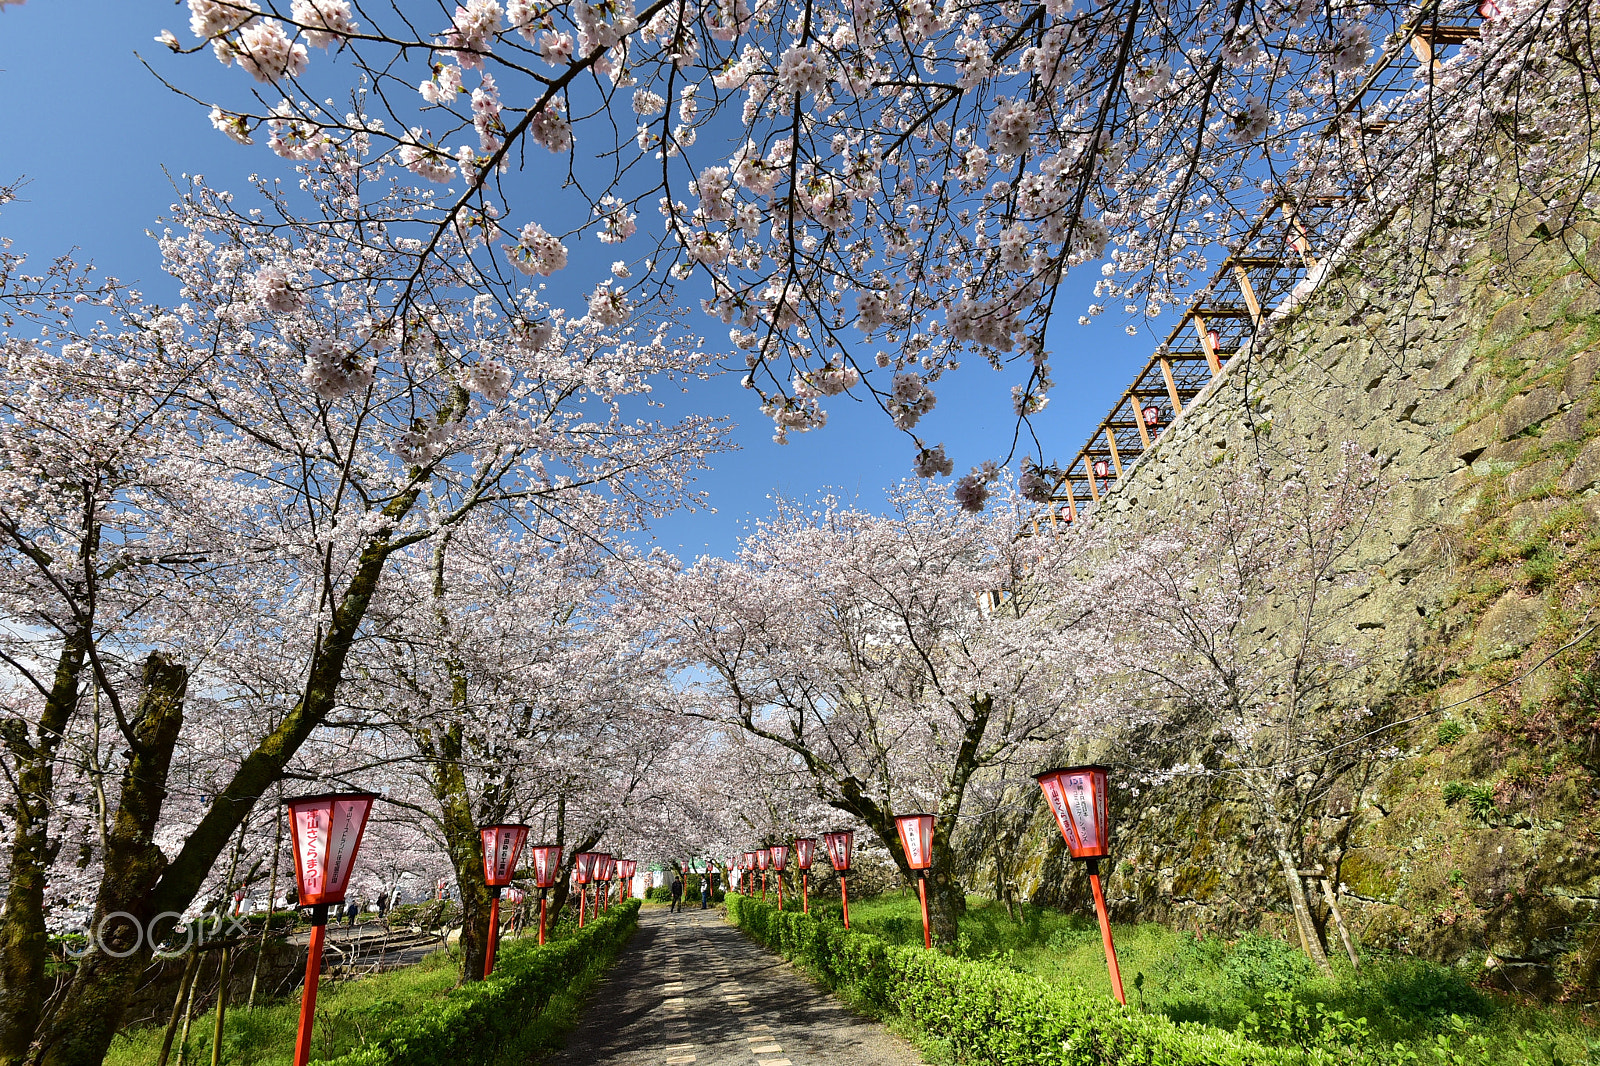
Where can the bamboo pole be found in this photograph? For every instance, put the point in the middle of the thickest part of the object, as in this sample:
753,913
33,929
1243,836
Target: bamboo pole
189,967
222,1006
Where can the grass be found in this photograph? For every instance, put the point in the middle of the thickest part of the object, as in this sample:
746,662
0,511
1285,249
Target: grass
1258,985
350,1013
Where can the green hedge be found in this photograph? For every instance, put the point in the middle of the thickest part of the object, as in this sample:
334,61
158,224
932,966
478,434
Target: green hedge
993,1015
490,1014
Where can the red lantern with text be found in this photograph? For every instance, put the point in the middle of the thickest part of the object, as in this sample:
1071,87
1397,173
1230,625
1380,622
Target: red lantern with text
605,869
840,843
763,861
1101,469
546,872
1077,797
1152,415
625,870
804,849
916,836
583,870
780,861
502,844
325,832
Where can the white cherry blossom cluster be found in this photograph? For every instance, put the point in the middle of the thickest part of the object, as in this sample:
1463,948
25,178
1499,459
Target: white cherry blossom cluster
537,252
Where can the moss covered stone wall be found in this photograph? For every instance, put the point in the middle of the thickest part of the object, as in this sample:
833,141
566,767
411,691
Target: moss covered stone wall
1477,843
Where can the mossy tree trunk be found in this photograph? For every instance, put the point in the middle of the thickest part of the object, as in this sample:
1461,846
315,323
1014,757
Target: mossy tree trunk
82,1027
24,942
96,1003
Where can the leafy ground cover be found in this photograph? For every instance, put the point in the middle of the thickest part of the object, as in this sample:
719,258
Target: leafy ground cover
358,1018
1257,986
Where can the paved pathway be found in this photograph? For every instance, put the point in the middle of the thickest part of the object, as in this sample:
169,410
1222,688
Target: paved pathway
690,988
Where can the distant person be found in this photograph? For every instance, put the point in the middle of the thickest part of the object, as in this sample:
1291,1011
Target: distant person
705,892
351,909
677,893
383,904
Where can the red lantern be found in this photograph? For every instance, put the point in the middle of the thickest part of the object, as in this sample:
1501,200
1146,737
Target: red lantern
546,864
780,860
325,834
804,848
839,844
1077,797
1152,415
604,867
763,859
1488,10
583,871
1214,338
501,846
916,836
1101,468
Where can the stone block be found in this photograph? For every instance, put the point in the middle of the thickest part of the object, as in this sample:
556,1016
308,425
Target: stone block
1510,624
1529,409
1525,480
1585,469
1548,306
1529,514
1472,441
1508,323
1451,366
1536,349
1510,451
1580,374
1569,426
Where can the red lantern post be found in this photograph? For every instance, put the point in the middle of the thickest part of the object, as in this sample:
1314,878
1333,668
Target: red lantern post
804,849
546,871
625,870
606,869
502,844
325,832
916,836
747,864
780,859
1077,796
583,871
763,860
839,843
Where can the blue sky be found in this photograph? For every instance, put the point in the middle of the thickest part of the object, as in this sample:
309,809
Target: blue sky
96,134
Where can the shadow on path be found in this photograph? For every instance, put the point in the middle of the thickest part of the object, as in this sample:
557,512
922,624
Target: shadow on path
690,988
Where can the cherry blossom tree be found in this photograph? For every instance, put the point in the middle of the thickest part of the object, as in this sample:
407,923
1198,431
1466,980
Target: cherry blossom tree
1229,634
887,659
316,434
874,193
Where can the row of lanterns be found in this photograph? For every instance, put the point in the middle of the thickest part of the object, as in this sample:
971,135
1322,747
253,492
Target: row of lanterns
326,830
1077,797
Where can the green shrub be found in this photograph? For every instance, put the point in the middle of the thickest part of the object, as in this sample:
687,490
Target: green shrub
1451,731
493,1013
1258,963
990,1014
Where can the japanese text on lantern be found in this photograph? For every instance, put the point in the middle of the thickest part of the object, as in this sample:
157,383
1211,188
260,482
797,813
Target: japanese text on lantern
310,851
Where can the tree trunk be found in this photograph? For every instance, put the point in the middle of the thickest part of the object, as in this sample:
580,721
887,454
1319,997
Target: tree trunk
82,1028
24,942
107,984
466,856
